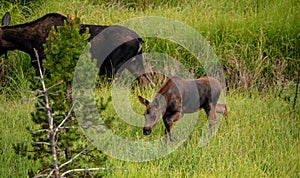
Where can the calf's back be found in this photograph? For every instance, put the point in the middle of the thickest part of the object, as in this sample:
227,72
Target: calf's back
189,96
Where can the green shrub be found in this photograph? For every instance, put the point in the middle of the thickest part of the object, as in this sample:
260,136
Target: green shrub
64,45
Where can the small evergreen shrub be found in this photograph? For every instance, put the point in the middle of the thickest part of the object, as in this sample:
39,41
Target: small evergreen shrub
64,45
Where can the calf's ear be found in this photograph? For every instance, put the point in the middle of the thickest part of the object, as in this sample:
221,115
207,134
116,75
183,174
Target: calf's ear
6,19
143,101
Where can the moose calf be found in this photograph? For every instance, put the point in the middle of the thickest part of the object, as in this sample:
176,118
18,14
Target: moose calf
178,96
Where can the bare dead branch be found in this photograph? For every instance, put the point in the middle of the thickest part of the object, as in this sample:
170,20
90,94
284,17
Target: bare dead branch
67,127
93,169
53,94
38,90
70,160
39,96
42,143
38,131
40,175
80,153
41,108
58,83
50,118
66,118
34,143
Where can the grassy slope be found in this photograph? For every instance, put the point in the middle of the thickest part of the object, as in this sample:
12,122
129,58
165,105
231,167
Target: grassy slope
259,139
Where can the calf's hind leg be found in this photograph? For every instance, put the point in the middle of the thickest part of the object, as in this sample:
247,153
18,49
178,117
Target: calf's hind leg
222,109
211,116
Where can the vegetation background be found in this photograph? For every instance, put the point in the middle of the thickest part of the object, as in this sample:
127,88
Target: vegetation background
258,44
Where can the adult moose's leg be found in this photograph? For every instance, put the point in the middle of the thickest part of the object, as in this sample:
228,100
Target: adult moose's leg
109,69
136,67
168,121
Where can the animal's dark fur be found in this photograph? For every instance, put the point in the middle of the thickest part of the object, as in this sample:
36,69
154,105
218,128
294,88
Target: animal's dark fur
5,21
115,46
178,96
26,37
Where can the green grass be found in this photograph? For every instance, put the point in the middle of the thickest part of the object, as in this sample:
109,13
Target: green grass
259,138
257,43
14,118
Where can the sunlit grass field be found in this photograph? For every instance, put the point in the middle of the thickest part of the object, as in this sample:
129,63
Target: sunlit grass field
259,138
257,43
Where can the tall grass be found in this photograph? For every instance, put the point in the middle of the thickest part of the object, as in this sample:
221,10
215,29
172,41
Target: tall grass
256,41
15,75
14,119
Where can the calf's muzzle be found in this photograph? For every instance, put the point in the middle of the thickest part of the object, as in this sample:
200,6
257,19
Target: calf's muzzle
147,130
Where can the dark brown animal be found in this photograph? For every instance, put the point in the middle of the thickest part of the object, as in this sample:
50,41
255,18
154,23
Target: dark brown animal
116,46
26,37
178,96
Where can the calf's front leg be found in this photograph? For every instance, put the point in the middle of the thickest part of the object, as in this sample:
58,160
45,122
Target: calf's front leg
168,121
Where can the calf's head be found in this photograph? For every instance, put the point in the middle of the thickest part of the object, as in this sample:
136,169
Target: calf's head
153,112
4,44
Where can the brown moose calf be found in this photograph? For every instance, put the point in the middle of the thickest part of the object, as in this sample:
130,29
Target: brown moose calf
178,96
